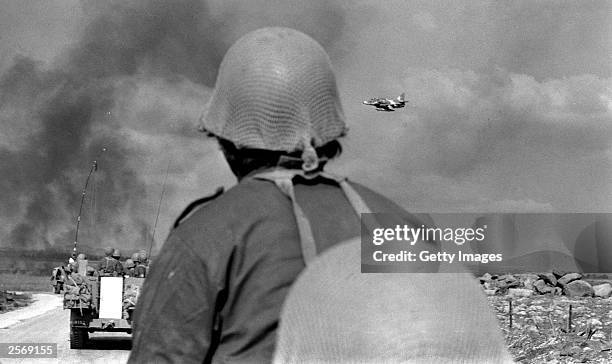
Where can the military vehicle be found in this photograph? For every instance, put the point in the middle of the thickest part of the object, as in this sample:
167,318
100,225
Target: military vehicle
99,303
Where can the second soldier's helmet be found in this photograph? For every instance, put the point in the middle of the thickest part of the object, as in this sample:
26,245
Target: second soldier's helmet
108,251
129,263
276,90
136,257
142,256
81,256
90,270
116,253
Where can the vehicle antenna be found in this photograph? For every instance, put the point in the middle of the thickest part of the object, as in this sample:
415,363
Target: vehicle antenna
159,209
94,167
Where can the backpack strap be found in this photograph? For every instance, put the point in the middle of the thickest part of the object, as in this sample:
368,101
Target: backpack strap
283,179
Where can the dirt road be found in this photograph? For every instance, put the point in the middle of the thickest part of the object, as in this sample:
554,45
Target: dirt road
47,322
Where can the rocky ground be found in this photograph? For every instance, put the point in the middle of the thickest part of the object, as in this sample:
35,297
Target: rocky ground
568,323
13,300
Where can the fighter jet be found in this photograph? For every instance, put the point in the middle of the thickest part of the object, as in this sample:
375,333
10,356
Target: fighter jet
382,104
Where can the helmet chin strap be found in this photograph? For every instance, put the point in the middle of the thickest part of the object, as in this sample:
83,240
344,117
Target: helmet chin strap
309,161
310,158
309,154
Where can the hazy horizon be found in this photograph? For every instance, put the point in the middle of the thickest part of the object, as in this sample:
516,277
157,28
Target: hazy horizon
509,107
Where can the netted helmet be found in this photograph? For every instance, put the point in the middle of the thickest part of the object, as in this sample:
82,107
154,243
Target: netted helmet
90,270
129,263
276,90
136,257
81,257
116,253
142,256
108,251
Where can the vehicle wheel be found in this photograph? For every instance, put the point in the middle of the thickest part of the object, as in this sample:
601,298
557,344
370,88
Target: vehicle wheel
78,338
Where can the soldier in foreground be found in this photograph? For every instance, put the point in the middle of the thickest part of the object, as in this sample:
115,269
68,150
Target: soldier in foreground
217,286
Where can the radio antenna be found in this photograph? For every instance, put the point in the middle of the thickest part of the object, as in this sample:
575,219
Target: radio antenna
94,167
159,209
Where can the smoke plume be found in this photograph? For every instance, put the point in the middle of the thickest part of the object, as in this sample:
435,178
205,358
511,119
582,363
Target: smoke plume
509,108
133,84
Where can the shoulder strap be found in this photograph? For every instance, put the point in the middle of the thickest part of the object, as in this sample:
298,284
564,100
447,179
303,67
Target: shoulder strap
283,178
358,204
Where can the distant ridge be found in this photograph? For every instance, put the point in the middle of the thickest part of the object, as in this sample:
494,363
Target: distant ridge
540,261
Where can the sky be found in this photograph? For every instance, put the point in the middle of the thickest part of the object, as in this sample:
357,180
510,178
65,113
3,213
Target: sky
509,107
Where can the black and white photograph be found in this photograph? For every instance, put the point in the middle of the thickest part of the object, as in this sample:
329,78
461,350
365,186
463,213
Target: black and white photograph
292,181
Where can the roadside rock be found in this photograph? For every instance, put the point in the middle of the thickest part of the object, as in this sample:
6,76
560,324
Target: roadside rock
559,273
485,278
13,300
548,278
508,281
603,290
578,288
490,285
570,277
541,287
529,280
520,292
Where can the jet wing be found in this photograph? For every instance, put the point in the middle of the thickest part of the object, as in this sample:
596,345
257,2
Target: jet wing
375,102
384,107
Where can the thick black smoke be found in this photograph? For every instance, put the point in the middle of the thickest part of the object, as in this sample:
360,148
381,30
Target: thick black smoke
60,119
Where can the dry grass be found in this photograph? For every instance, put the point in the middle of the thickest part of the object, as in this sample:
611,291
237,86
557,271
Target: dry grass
24,282
543,333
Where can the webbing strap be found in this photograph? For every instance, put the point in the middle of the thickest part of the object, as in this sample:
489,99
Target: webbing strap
359,205
307,242
355,200
283,178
